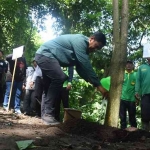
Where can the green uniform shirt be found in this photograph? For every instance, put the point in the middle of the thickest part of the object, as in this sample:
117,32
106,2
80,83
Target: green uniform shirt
143,80
128,87
71,50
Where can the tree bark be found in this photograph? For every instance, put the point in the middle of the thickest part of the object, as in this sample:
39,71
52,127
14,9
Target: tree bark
118,62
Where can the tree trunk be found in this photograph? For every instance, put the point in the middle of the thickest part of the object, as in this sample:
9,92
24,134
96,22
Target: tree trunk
118,62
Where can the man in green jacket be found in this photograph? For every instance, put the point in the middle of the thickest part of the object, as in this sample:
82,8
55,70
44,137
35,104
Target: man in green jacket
128,100
142,89
65,51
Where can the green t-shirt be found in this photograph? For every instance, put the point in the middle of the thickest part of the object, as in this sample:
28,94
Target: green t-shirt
128,87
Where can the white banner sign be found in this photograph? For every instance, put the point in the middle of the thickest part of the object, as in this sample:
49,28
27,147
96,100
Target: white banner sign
146,50
17,52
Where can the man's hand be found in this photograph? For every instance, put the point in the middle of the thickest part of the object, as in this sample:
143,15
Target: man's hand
137,99
103,91
69,87
137,96
31,84
23,87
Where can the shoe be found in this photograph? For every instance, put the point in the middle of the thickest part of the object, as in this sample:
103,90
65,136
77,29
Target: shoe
49,120
5,108
12,110
26,113
18,112
36,116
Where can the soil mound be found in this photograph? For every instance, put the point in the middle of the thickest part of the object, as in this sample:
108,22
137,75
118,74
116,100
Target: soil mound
101,132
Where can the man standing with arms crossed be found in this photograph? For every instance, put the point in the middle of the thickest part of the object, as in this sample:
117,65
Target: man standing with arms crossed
65,51
128,100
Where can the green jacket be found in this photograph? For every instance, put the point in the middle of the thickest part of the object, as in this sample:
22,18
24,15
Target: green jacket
71,50
143,80
128,87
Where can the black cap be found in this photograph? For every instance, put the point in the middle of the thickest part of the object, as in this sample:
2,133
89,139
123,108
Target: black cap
130,61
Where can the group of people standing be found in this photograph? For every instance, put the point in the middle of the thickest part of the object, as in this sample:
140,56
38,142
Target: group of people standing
135,90
28,85
6,74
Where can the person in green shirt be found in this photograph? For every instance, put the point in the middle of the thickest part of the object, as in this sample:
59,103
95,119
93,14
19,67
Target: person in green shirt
66,51
142,89
128,100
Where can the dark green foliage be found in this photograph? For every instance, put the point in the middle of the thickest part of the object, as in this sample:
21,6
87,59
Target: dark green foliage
85,97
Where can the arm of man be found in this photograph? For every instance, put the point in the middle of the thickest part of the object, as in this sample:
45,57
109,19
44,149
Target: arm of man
83,66
138,84
70,74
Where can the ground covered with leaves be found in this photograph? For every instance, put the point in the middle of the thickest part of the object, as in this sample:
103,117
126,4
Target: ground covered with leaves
71,135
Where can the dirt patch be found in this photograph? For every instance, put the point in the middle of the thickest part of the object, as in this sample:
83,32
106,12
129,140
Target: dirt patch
102,133
71,135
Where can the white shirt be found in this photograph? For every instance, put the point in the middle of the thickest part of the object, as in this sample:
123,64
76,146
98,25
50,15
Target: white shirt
37,72
29,76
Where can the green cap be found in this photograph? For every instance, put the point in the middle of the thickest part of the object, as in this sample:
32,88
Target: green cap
105,82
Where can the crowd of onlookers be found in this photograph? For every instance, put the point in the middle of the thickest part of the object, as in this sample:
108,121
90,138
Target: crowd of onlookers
135,87
27,86
23,81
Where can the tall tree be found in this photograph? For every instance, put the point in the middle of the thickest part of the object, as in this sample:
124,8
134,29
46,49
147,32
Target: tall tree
120,32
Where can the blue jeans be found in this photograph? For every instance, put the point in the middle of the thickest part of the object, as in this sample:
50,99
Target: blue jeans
15,97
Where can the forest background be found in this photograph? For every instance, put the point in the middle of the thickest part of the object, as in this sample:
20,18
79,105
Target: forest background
21,20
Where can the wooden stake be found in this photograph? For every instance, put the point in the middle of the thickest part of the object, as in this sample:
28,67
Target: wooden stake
12,82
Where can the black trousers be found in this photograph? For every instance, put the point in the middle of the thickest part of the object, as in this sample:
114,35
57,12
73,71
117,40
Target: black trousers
38,88
2,89
145,108
53,79
131,108
38,94
64,98
2,92
29,101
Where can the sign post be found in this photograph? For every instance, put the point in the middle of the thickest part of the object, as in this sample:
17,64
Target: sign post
17,52
146,50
